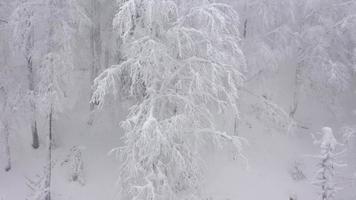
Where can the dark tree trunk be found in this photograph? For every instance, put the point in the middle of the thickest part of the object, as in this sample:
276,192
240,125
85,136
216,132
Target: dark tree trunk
245,29
6,134
35,137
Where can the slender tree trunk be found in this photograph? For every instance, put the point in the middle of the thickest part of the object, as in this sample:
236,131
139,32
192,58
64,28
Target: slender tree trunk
297,85
4,130
6,146
49,156
53,6
236,125
35,137
95,50
245,28
95,43
31,87
244,34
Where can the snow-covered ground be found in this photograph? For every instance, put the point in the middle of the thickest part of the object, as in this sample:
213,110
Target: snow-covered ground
274,158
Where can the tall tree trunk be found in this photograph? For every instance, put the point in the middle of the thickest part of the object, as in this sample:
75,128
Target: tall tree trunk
53,6
31,87
95,43
6,147
35,137
49,156
4,129
95,50
297,87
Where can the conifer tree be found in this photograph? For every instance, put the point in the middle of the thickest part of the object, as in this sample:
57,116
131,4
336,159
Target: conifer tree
328,164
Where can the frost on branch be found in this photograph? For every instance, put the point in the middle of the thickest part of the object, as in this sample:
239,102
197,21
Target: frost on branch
181,65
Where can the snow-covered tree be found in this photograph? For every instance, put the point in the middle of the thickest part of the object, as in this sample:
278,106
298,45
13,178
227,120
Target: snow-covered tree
23,38
95,41
100,42
323,49
314,39
180,63
74,163
327,166
9,88
49,59
267,44
57,64
12,106
43,32
348,133
266,33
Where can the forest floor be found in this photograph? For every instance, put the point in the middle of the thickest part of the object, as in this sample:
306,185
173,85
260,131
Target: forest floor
273,159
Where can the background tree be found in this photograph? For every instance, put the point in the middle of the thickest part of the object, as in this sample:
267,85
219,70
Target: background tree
23,21
95,42
57,65
8,87
11,106
310,40
55,21
324,49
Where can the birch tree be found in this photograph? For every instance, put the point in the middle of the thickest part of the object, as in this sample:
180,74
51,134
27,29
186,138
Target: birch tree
180,63
55,22
22,22
57,65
